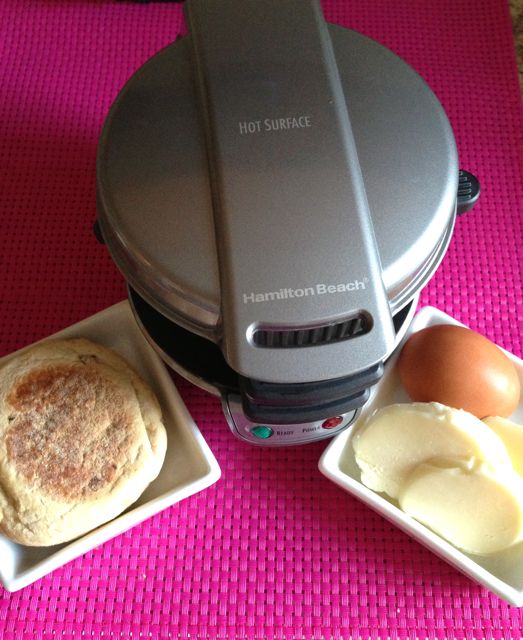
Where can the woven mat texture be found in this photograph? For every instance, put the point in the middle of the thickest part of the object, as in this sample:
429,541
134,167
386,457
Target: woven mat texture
273,550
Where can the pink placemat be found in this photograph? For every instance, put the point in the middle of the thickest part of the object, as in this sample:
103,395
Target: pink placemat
273,550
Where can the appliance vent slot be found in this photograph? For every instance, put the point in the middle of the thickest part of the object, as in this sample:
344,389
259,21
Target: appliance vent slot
326,334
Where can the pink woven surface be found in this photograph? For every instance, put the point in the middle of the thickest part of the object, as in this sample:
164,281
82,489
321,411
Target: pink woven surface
273,550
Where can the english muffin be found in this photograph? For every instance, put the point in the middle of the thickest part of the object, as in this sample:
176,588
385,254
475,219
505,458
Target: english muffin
81,437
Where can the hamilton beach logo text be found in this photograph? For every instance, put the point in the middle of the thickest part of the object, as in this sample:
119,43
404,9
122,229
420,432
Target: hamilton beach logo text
304,292
274,124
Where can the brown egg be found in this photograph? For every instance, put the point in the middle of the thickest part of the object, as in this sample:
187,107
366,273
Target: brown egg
459,368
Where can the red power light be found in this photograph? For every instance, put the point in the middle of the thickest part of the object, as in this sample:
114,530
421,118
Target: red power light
330,423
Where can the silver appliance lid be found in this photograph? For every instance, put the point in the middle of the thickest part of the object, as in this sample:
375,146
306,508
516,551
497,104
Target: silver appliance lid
161,156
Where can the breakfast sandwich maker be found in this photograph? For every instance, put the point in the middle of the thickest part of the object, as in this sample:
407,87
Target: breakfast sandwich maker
276,191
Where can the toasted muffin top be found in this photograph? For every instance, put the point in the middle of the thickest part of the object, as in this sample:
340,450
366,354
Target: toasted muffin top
80,433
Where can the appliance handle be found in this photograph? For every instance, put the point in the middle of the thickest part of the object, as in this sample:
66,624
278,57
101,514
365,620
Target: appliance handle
306,402
468,192
295,242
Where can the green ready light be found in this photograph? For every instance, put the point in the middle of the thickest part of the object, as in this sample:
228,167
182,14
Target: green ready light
262,431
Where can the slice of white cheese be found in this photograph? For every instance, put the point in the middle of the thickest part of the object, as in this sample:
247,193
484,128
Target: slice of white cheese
395,439
511,434
476,508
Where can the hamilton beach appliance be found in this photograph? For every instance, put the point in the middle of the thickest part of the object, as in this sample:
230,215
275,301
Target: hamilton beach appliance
276,191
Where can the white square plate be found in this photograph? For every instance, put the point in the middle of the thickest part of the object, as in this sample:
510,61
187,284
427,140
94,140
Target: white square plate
189,464
502,573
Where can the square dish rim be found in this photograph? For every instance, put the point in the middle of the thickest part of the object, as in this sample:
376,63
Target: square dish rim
209,474
329,466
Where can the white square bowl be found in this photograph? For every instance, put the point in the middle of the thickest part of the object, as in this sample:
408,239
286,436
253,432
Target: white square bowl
502,573
188,468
